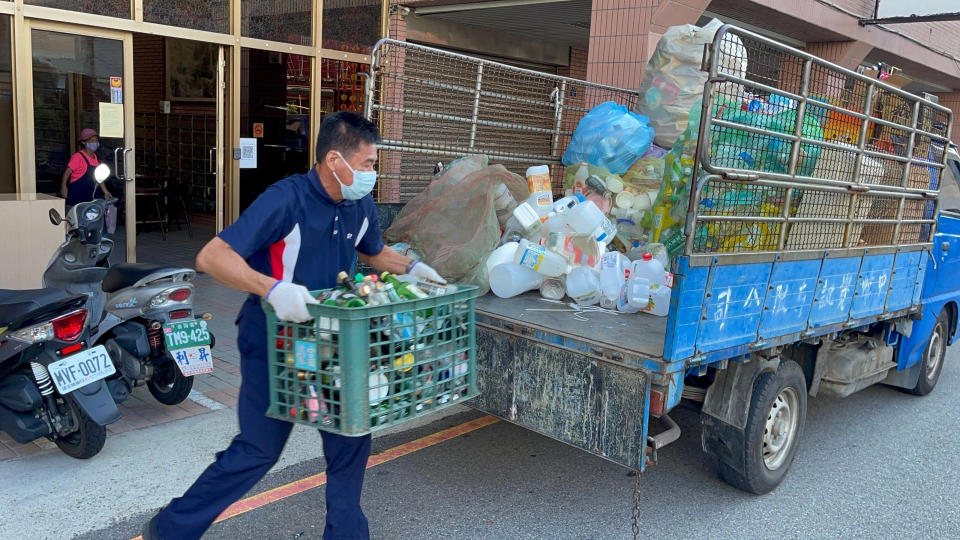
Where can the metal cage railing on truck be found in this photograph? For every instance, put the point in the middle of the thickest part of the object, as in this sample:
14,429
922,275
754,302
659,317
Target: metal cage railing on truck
797,154
433,105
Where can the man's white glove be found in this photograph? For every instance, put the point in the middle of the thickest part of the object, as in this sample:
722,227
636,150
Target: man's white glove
290,301
422,270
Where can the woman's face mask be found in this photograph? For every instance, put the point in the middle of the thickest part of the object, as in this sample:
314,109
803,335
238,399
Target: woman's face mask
92,146
363,182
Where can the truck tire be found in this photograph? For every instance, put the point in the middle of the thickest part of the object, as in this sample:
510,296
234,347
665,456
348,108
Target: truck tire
933,356
777,414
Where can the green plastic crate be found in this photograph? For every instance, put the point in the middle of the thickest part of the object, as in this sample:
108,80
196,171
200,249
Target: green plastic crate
353,371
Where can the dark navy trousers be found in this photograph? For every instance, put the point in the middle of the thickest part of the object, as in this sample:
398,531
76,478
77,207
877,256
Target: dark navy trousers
257,448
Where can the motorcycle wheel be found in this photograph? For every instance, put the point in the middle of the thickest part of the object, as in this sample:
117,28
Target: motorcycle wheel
87,440
168,385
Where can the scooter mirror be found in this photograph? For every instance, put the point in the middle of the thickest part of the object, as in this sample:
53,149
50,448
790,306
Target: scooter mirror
54,216
101,173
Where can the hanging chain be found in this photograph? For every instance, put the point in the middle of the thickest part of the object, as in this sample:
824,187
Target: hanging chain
636,506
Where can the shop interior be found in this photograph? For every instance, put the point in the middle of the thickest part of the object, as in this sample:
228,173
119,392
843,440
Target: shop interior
175,121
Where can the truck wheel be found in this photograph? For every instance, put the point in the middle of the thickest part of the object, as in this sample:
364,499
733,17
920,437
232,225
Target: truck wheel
87,440
778,411
933,355
168,385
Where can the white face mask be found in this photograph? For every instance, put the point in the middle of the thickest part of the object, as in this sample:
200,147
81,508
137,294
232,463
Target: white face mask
363,182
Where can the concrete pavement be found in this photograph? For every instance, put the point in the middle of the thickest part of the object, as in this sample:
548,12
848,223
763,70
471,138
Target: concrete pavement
880,463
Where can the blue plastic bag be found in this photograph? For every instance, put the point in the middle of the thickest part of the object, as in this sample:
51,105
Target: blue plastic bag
610,136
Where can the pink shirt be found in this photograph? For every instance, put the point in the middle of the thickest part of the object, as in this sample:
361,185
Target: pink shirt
78,166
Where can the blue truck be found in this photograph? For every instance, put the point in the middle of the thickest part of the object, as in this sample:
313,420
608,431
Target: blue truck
842,278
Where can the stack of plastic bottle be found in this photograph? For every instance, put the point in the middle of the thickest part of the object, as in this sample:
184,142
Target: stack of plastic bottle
572,248
411,351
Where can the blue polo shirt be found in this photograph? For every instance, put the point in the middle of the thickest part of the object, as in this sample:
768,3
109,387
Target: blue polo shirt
295,232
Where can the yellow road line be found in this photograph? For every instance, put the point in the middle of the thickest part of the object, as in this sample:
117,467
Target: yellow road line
299,486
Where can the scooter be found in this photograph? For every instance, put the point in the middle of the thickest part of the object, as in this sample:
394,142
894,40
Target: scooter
143,313
51,383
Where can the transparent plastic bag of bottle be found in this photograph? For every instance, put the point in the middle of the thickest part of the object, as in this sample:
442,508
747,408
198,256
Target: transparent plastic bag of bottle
611,136
453,223
673,81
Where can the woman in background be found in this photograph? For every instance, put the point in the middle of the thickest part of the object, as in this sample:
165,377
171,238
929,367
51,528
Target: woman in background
78,184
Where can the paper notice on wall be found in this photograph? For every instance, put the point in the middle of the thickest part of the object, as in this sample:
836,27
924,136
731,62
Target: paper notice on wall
248,153
111,120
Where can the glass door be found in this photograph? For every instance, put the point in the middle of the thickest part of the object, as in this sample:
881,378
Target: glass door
82,91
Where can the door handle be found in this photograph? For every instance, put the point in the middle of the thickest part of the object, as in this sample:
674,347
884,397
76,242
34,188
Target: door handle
213,156
127,177
116,161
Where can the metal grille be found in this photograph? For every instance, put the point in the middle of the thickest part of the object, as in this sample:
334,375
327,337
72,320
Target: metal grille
800,154
433,105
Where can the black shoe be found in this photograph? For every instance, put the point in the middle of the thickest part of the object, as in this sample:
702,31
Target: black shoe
150,531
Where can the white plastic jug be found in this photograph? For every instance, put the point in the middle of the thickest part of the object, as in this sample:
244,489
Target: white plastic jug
502,255
583,285
541,195
634,295
650,268
587,218
511,279
540,259
659,300
613,264
567,203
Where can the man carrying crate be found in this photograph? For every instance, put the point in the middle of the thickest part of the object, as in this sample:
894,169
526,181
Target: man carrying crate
294,238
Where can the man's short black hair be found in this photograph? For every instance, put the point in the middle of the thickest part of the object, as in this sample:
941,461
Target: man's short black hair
344,132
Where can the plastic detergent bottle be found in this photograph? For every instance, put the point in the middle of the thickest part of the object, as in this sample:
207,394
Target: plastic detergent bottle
575,248
586,218
613,266
525,221
511,279
540,259
583,285
541,195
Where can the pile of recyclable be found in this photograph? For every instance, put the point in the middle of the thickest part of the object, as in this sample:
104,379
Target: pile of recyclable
417,357
572,247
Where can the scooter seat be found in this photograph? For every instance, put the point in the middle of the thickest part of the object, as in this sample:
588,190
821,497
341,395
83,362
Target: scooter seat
17,303
124,275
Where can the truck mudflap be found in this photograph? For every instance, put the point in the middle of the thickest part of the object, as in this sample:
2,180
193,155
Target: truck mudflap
598,406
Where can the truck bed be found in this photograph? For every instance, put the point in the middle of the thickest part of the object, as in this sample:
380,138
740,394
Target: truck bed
637,334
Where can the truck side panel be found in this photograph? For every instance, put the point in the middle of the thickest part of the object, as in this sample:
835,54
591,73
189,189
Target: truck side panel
873,284
686,305
905,283
838,277
733,305
758,305
789,297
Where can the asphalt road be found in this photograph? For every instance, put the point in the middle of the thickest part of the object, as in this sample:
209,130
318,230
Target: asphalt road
880,463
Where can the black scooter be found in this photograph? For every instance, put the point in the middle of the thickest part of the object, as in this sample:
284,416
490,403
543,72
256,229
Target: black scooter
51,383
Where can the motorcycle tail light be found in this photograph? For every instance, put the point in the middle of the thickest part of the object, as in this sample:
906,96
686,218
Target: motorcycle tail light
70,326
181,314
34,334
180,295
